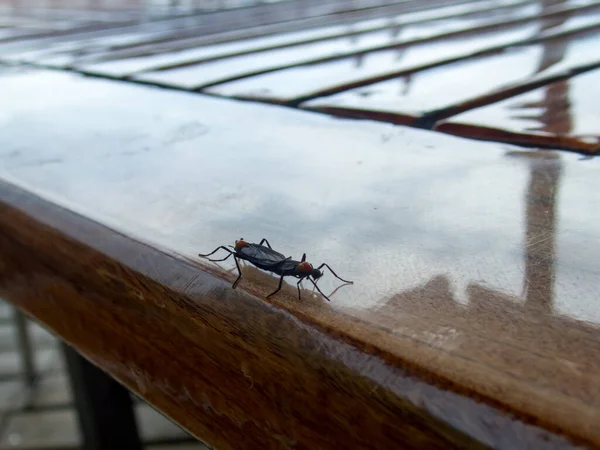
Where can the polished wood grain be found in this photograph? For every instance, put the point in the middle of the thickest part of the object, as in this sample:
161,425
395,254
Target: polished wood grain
472,320
226,365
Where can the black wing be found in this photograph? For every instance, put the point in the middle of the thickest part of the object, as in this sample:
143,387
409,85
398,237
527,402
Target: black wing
261,255
288,267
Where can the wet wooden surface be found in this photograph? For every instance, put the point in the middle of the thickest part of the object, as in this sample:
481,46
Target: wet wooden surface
484,300
564,111
434,64
472,320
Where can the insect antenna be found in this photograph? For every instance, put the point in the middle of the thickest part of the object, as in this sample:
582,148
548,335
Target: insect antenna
334,274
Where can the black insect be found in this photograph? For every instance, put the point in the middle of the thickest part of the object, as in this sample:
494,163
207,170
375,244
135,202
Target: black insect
265,258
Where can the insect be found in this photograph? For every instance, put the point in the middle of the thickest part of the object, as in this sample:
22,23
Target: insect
264,257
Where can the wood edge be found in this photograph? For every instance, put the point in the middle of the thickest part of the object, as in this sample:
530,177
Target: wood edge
364,114
563,143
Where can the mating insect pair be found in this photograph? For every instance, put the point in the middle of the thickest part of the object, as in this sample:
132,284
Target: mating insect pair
265,258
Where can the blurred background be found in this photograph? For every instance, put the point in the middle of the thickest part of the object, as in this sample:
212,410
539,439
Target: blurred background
36,402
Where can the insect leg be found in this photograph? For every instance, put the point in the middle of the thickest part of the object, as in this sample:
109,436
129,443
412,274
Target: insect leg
298,285
320,291
239,272
266,242
278,287
218,260
303,257
215,251
334,274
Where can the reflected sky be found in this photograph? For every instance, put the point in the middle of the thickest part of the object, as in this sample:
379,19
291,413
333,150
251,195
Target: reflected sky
387,207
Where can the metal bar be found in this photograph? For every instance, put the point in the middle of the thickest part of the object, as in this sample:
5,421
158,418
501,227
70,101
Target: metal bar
104,407
25,348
